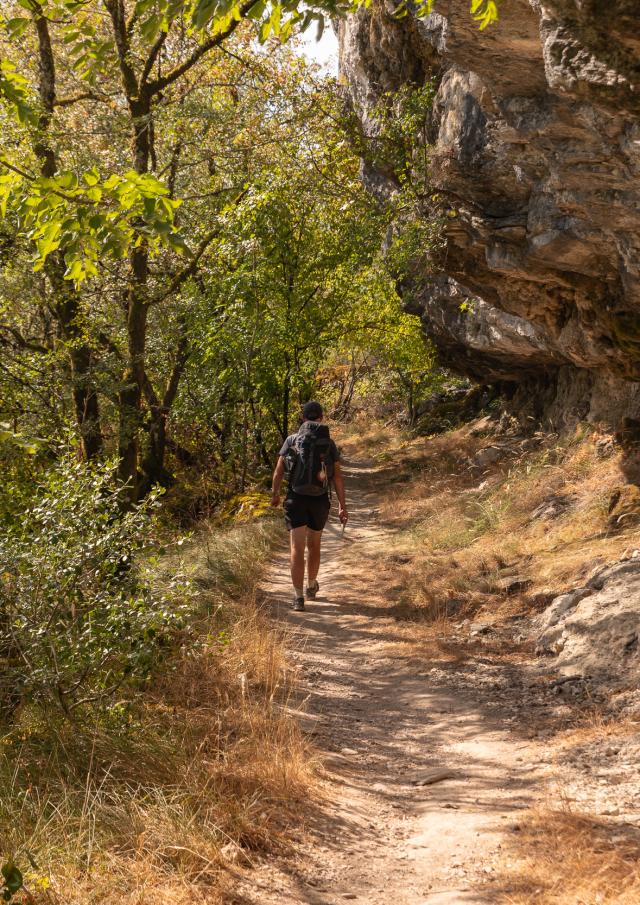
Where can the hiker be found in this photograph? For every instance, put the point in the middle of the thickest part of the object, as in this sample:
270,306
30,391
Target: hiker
310,459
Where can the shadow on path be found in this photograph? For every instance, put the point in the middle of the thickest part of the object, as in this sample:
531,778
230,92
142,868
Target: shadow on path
385,729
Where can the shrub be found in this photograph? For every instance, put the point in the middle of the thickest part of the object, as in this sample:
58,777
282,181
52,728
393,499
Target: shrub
78,618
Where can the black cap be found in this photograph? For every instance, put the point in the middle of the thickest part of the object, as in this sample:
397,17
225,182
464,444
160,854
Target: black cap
311,410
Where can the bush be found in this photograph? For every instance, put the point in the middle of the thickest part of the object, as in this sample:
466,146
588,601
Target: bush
77,616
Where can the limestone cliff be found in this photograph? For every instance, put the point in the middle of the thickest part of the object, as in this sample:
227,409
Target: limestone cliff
536,144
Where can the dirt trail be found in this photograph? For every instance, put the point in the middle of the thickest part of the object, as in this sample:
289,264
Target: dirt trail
390,724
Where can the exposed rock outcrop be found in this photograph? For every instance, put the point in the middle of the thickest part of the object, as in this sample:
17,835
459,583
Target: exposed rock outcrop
594,630
536,147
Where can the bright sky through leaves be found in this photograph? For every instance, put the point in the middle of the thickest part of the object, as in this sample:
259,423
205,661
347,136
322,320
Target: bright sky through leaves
323,52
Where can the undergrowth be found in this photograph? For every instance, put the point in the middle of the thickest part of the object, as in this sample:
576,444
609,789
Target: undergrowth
147,801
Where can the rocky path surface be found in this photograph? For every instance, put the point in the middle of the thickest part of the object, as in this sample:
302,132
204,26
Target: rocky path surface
427,768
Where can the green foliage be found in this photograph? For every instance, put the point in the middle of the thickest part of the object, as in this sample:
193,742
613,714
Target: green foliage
91,219
78,616
12,880
397,142
389,357
275,300
19,441
484,12
397,146
92,54
14,91
19,464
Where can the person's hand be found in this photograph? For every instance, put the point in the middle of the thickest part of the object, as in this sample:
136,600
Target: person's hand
275,500
343,515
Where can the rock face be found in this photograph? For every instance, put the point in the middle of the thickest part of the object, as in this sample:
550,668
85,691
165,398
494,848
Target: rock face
536,147
594,630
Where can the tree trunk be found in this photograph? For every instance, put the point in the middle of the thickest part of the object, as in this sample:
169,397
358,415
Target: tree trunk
67,305
153,468
411,405
85,397
130,395
286,403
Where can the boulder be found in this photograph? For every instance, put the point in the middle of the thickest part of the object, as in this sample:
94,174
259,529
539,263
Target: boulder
594,630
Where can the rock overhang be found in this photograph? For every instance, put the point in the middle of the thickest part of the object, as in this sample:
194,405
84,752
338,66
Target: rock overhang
536,149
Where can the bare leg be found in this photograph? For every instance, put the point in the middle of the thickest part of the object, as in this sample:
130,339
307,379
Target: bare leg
314,539
297,540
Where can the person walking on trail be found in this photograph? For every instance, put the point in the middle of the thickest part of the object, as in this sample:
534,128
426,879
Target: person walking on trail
311,462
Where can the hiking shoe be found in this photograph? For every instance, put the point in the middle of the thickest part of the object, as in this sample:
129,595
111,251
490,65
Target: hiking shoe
312,590
298,605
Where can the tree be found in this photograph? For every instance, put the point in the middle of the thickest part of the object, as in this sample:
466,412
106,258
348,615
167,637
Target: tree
272,300
121,69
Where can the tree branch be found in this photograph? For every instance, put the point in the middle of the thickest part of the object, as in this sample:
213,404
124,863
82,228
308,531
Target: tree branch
47,92
20,341
10,166
149,392
115,8
182,356
190,268
151,58
161,83
76,98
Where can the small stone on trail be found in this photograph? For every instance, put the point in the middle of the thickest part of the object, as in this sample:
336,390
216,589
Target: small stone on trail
348,751
511,584
480,628
432,776
231,851
487,456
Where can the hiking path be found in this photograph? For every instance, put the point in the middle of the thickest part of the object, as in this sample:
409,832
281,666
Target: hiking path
426,768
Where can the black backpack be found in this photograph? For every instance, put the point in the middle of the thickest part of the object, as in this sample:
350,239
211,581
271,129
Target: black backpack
309,464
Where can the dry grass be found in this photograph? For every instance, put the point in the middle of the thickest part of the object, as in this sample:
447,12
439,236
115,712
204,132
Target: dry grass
562,857
463,529
149,805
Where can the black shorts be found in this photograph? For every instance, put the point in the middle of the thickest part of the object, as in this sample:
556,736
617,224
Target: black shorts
306,511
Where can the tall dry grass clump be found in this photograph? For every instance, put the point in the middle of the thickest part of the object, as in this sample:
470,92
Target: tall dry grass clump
154,801
561,857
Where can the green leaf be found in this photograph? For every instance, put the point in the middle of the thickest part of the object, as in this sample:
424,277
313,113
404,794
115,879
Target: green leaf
150,28
275,19
203,12
74,271
149,205
68,181
17,26
92,176
12,877
264,31
257,10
